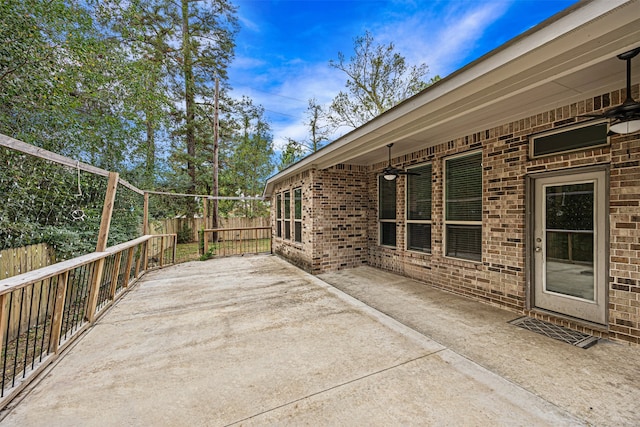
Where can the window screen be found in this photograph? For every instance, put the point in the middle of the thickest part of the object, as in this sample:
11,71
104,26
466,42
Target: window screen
569,139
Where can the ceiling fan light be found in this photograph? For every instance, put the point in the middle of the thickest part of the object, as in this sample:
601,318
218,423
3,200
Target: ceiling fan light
628,126
390,176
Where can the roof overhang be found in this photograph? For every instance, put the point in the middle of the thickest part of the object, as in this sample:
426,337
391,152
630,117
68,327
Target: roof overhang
569,57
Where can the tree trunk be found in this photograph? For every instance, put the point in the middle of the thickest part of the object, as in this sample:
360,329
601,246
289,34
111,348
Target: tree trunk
189,92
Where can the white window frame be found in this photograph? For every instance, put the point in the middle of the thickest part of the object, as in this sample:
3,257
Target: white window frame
446,222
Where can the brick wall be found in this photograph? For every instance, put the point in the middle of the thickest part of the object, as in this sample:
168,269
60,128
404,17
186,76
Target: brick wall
341,227
335,208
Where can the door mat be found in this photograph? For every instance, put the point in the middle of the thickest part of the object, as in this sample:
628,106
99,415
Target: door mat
556,332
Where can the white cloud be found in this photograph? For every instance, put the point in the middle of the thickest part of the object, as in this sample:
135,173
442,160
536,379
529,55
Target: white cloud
442,39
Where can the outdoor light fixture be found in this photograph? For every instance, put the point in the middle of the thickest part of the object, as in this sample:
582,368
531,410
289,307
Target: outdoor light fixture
390,176
624,118
629,126
390,173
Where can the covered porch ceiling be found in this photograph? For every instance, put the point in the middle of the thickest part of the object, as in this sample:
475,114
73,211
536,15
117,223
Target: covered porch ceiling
568,58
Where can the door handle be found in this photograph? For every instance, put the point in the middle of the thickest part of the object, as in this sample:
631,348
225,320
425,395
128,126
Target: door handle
538,249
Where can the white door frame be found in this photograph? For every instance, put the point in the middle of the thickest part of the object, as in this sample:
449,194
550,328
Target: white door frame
538,298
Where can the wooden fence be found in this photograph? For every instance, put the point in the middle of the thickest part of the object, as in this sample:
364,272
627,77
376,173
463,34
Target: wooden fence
176,225
22,260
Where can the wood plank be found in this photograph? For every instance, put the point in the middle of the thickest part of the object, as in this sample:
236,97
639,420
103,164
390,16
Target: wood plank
114,276
127,268
107,212
41,153
58,312
94,291
4,317
145,214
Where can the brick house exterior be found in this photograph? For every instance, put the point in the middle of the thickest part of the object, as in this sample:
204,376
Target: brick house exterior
334,194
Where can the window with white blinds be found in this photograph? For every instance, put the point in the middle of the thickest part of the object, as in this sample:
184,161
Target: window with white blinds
418,209
463,206
387,211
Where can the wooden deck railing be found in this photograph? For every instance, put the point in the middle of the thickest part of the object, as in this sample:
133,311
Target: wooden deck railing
236,241
42,312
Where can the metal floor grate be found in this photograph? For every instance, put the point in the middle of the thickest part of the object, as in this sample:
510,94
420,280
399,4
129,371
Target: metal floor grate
556,332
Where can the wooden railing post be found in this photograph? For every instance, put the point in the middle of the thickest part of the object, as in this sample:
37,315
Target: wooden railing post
115,276
103,235
127,268
145,215
175,247
162,251
205,248
56,322
139,260
4,317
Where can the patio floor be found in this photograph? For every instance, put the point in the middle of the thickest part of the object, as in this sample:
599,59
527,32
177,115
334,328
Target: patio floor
256,341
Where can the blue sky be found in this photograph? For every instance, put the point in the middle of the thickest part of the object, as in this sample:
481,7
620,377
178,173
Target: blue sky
284,46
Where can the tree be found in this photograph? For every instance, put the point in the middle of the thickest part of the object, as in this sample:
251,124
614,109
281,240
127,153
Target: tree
319,131
61,81
378,78
292,152
250,157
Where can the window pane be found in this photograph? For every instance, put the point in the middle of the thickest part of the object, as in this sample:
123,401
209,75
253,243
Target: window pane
419,193
287,230
570,207
297,231
279,228
419,237
573,139
279,206
464,241
388,233
464,188
287,205
297,196
386,199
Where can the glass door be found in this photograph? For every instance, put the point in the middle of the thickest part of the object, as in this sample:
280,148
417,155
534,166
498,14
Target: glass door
569,245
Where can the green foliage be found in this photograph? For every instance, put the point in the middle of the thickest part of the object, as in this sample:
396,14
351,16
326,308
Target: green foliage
104,82
184,234
45,202
377,79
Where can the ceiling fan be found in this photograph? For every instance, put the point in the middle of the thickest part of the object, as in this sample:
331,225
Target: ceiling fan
390,173
624,118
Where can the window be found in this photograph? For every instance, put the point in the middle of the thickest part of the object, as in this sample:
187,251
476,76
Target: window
287,215
387,211
463,207
279,215
297,215
569,139
419,209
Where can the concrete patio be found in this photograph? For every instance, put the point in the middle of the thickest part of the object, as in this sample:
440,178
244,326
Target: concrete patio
256,341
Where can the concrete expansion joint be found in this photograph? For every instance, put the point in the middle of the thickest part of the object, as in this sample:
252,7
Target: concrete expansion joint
337,386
